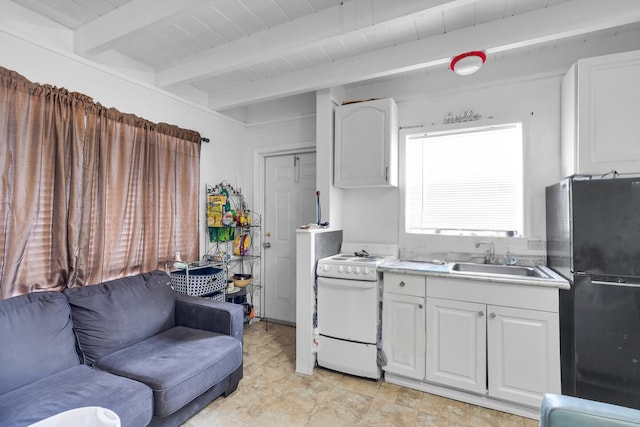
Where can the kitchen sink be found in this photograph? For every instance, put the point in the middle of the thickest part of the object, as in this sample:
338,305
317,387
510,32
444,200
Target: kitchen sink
502,270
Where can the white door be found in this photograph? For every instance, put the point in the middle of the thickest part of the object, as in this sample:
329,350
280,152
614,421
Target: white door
523,349
456,344
403,334
290,200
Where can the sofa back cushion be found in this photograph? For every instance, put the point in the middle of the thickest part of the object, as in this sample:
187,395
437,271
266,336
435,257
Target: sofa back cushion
36,338
116,314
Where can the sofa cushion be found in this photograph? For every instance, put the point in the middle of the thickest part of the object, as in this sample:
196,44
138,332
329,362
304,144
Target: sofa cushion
178,364
36,338
74,388
121,312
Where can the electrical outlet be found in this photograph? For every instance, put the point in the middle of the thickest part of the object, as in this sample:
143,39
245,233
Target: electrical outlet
536,245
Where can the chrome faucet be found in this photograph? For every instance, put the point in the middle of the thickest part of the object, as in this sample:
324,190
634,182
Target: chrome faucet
490,256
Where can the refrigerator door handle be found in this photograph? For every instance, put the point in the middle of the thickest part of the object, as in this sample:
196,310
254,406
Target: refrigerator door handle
630,285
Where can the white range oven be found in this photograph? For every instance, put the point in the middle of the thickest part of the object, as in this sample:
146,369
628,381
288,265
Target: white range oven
349,314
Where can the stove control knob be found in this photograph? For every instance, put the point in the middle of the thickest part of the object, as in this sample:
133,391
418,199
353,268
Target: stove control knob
325,267
340,269
366,271
349,269
357,270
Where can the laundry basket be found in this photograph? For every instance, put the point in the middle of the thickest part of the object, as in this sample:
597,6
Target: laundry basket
198,281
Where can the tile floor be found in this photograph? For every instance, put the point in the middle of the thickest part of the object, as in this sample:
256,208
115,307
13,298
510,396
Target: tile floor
271,394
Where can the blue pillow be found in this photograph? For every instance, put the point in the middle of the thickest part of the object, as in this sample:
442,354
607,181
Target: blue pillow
119,313
36,338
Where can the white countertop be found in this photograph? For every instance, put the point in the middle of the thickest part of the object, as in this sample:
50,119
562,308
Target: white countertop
426,268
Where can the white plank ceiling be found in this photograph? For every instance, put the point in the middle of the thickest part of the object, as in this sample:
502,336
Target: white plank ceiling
231,53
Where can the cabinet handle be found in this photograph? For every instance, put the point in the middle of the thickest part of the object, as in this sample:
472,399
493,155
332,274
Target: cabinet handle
492,315
402,284
386,173
419,305
481,313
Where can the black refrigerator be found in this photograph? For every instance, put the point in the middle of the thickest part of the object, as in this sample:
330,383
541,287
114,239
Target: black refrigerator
593,240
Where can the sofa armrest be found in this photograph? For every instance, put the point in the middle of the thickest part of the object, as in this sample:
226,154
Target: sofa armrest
215,316
565,411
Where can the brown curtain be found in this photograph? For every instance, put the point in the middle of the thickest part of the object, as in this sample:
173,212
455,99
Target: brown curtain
88,193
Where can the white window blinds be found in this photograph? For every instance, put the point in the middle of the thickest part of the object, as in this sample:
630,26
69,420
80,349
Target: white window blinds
465,182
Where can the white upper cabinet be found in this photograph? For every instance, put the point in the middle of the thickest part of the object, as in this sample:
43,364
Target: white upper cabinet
366,144
600,115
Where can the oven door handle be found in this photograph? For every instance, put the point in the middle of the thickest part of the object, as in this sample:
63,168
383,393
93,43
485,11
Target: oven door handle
346,283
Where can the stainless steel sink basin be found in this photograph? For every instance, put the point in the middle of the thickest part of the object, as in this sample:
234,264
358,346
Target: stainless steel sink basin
502,270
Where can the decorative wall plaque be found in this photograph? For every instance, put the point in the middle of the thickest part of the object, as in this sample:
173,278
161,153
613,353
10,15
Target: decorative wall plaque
465,116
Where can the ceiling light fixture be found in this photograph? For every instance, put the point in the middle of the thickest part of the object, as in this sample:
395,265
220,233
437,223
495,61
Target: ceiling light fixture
468,62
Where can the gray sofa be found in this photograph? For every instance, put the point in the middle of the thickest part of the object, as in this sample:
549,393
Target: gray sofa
131,345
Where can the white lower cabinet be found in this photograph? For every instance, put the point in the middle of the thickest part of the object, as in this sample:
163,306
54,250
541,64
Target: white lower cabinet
498,339
523,354
403,325
489,343
456,344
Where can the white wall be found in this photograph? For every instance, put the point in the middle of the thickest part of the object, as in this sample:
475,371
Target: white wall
536,104
508,88
32,47
281,137
330,196
39,49
372,214
522,88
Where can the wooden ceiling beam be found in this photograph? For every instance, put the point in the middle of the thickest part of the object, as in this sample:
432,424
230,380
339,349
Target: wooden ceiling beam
98,35
352,17
556,22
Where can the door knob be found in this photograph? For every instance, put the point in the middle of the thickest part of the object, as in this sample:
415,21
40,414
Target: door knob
481,313
492,315
266,245
267,234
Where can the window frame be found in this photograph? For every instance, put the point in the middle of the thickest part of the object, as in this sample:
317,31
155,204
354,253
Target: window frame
443,243
480,131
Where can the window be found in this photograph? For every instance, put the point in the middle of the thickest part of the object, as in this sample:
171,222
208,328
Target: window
465,182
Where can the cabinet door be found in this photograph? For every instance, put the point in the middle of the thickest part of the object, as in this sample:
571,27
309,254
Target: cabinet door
403,334
456,344
366,144
524,354
608,97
